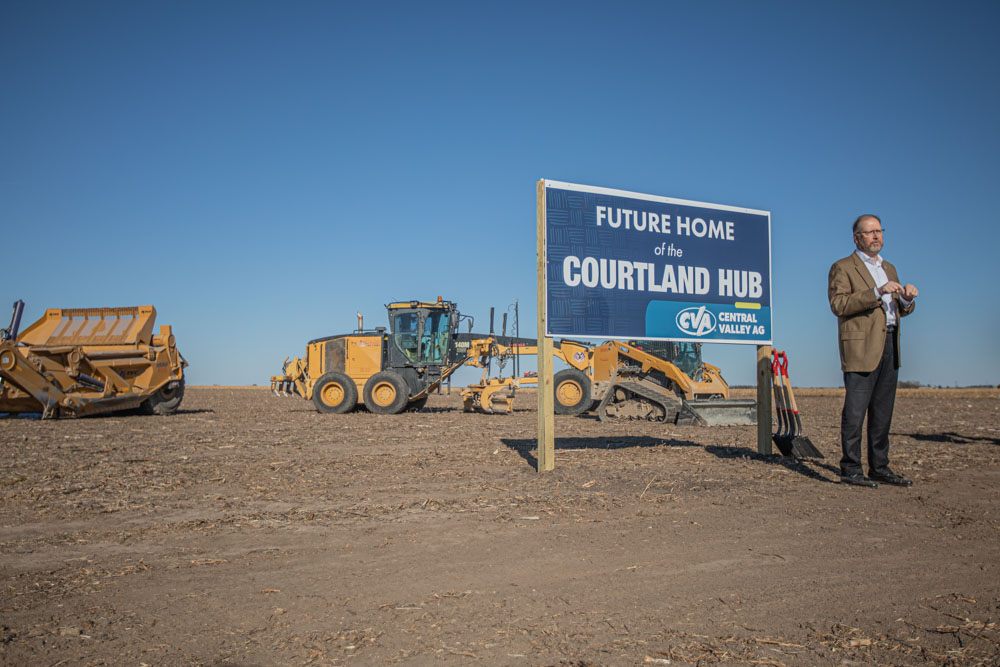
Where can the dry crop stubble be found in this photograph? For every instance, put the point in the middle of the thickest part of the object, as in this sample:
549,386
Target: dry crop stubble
251,529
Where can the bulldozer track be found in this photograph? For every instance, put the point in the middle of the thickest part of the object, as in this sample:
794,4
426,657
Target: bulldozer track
639,402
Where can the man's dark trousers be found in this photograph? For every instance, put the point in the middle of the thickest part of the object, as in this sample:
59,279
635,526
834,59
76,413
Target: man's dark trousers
873,393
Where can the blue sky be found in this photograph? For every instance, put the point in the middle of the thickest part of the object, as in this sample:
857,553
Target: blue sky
260,171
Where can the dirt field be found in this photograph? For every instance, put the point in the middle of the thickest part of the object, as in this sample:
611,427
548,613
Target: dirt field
252,530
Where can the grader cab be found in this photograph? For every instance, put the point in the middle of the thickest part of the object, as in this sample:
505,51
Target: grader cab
83,361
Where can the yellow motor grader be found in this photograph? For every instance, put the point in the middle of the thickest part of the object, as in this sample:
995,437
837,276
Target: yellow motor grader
83,361
387,371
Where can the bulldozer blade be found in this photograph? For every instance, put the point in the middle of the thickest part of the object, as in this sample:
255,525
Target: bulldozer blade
730,412
798,446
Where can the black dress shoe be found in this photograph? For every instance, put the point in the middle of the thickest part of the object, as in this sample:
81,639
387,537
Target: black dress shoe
857,479
891,478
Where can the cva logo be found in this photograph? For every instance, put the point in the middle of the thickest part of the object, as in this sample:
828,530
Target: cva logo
696,321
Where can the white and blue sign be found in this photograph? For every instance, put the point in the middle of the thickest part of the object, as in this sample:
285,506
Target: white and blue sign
627,265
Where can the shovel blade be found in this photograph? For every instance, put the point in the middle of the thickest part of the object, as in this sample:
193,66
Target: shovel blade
799,447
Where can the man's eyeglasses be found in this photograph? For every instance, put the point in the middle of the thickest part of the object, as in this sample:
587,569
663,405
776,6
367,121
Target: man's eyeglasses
873,232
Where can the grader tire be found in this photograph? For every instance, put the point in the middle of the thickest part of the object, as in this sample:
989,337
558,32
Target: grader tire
386,393
572,392
165,401
335,393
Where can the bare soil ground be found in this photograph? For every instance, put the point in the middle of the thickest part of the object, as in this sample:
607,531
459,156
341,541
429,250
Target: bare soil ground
251,530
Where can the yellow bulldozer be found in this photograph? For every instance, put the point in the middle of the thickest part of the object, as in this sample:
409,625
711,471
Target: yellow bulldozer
659,381
83,361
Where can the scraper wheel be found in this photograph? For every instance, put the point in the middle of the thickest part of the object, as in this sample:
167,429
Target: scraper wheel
165,401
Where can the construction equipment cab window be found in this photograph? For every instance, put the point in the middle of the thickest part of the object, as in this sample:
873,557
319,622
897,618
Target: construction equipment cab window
406,334
685,356
422,342
434,344
688,359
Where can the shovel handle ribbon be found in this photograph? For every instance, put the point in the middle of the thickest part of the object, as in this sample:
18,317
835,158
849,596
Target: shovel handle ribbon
781,360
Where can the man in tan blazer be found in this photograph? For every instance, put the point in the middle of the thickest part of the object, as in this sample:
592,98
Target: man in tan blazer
868,300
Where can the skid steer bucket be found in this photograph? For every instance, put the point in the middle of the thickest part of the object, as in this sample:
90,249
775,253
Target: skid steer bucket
789,438
723,412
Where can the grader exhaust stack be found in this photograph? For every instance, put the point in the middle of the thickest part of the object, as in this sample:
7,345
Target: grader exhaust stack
84,361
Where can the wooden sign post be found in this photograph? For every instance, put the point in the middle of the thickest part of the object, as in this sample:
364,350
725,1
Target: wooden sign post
764,399
546,421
